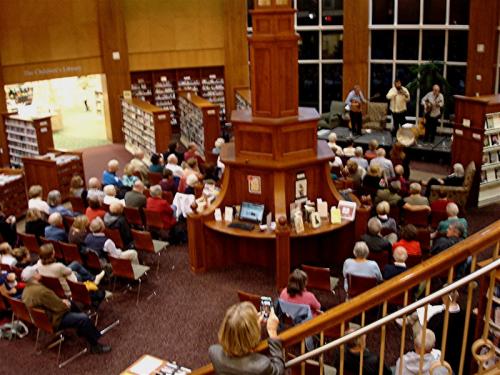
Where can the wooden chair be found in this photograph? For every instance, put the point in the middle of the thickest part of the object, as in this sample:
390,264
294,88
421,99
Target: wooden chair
153,219
55,244
115,236
382,258
413,260
254,299
359,285
154,178
318,278
424,237
30,242
132,272
19,310
133,216
395,213
70,252
419,218
43,324
92,261
54,284
77,204
144,242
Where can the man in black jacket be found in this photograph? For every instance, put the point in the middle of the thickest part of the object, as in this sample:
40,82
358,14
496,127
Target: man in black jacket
453,236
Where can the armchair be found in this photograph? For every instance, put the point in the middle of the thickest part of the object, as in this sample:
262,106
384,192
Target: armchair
336,117
376,116
458,194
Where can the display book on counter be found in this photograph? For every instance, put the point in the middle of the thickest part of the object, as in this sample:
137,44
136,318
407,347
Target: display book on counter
150,365
248,216
490,168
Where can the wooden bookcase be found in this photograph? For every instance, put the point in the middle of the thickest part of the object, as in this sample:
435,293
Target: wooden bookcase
145,126
25,138
199,122
54,170
13,198
473,132
162,88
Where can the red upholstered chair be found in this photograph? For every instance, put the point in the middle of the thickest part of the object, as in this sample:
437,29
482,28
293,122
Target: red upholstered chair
92,261
133,216
54,284
77,204
318,278
13,269
359,285
154,178
382,258
419,218
70,252
19,310
254,299
437,217
68,222
55,244
413,260
115,236
30,242
168,196
153,219
124,268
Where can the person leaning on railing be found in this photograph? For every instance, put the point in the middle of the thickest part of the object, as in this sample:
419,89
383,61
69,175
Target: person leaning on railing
239,335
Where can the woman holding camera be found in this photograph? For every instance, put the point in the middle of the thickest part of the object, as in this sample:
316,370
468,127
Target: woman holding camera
239,335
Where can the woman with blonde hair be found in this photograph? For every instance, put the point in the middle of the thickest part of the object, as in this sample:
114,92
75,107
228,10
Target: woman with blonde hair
239,335
35,223
76,186
78,230
128,178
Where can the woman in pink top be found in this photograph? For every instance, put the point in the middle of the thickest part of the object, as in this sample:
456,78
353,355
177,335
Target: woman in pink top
296,292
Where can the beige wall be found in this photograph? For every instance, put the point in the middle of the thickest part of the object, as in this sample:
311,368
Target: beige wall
42,39
175,33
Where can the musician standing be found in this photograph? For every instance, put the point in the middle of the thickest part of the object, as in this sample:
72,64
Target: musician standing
353,104
433,101
398,96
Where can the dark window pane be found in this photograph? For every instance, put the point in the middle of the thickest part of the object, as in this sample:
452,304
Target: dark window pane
309,85
407,45
403,72
333,12
434,12
457,45
409,12
433,45
382,43
459,12
456,78
380,81
332,45
332,84
308,45
383,12
307,12
249,16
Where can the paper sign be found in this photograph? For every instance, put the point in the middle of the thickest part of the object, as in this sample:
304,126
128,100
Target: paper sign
218,214
127,94
323,209
315,220
347,210
228,214
269,219
254,185
299,223
335,217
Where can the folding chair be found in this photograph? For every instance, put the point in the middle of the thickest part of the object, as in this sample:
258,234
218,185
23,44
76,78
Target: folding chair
318,278
115,236
19,310
77,204
54,284
125,269
30,242
70,252
92,261
359,285
144,242
254,299
43,324
133,216
154,178
55,244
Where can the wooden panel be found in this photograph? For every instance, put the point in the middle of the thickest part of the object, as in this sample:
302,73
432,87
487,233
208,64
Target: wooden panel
13,199
262,64
482,30
356,35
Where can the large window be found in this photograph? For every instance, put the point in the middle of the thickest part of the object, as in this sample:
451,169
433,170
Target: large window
320,26
406,34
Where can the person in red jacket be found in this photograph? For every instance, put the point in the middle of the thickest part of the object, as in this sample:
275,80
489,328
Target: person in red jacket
156,203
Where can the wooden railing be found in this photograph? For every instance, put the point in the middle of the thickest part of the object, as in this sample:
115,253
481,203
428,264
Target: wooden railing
442,265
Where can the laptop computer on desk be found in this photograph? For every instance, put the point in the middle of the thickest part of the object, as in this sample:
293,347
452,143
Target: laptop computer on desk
250,214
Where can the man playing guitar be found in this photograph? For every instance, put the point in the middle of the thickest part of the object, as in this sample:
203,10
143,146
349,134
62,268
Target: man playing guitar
433,101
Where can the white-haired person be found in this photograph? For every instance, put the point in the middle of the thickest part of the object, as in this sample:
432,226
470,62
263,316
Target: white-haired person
332,143
139,165
156,203
456,178
239,336
423,340
109,176
384,163
173,165
390,270
452,212
360,265
55,230
94,189
219,142
374,239
358,158
110,195
54,200
35,194
416,198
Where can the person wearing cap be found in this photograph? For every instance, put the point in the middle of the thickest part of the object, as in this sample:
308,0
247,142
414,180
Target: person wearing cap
62,313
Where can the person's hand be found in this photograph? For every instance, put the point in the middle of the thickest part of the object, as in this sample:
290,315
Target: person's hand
272,324
67,303
11,219
441,181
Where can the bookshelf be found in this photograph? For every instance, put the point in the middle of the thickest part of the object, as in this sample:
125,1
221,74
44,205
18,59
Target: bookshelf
13,197
24,137
212,89
54,170
489,186
145,126
166,98
199,123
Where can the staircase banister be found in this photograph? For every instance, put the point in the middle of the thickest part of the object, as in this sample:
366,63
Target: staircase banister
458,253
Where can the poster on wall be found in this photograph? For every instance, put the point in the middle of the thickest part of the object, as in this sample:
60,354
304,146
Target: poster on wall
254,185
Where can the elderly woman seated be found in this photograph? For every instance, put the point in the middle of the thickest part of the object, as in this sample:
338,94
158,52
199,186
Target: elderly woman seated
110,195
454,179
360,265
390,270
388,223
452,212
54,200
416,198
296,292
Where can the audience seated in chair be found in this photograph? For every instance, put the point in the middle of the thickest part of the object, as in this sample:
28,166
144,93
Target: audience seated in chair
176,149
239,335
360,265
138,165
114,219
372,180
408,240
388,223
173,165
374,239
35,224
110,195
454,179
94,209
78,231
136,198
358,158
54,200
415,198
193,153
128,177
109,176
157,163
371,153
94,190
350,149
390,194
168,183
55,231
439,205
76,187
296,292
156,203
385,164
454,234
63,313
452,212
400,172
332,143
35,194
9,287
356,174
390,270
23,257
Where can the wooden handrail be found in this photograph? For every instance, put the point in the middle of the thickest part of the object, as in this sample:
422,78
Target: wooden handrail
474,244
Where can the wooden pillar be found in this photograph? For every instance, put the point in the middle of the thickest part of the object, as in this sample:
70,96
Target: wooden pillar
114,52
483,29
235,49
282,252
196,243
356,41
3,103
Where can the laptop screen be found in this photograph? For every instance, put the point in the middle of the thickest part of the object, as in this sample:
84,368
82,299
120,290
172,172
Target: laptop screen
252,212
